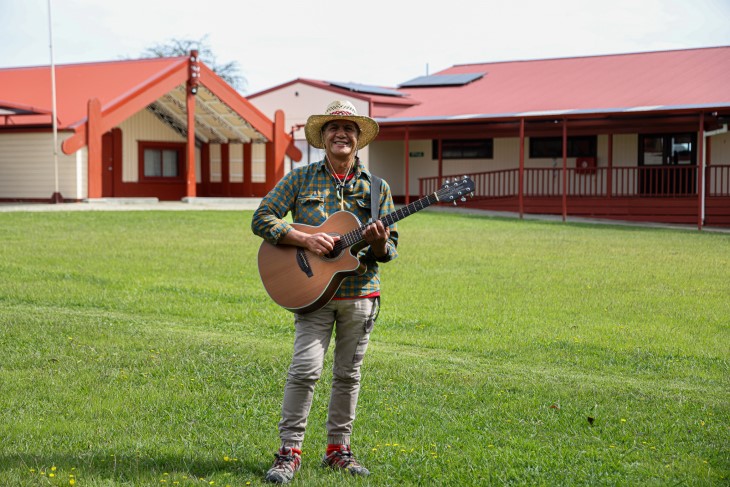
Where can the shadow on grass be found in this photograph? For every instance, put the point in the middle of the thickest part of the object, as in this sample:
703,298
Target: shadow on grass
138,469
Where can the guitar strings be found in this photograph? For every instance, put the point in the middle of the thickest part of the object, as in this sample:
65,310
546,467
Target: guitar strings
354,236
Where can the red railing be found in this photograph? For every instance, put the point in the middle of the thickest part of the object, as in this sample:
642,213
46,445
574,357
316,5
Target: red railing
718,180
645,181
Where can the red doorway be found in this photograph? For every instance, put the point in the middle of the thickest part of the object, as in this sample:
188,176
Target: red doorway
111,161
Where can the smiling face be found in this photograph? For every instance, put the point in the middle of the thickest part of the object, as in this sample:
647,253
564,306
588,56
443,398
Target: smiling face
340,140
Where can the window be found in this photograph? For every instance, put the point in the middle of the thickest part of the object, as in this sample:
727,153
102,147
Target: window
160,160
463,149
579,146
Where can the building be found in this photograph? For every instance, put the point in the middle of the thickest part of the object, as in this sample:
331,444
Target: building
166,128
638,136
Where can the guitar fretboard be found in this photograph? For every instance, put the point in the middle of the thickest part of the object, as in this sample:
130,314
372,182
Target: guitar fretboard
355,236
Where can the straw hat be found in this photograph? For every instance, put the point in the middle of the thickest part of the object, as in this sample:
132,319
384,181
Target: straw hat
340,110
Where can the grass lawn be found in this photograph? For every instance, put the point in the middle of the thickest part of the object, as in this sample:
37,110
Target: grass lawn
139,348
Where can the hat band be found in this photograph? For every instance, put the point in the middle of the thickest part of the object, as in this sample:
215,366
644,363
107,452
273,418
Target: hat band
342,112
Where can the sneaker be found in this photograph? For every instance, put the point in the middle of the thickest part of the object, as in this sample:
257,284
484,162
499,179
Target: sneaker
288,461
345,460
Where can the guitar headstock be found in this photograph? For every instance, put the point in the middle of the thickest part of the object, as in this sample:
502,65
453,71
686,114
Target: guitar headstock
457,189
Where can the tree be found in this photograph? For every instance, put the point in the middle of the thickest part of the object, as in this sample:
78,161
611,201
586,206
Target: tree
230,71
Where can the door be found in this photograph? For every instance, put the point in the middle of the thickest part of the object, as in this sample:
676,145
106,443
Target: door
111,161
667,164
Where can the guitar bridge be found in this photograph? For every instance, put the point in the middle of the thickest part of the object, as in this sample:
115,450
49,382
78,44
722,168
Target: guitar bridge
304,262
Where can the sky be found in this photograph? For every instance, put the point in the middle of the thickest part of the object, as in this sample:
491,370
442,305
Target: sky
378,42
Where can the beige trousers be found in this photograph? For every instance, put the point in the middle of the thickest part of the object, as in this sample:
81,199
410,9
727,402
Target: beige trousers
351,320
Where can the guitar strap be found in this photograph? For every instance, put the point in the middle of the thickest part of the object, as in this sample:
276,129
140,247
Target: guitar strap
374,197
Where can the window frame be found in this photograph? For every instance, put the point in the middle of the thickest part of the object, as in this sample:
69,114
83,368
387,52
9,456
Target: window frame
449,148
177,147
550,153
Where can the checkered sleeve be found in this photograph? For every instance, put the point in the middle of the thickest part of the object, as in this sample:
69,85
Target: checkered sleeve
268,219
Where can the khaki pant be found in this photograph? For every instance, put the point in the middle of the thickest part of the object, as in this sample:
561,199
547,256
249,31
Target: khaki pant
352,320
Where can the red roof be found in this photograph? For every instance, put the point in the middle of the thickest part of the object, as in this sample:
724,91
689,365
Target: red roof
76,83
597,84
123,88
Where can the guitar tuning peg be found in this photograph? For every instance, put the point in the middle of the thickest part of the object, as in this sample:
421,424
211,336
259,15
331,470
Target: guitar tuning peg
454,203
463,198
447,182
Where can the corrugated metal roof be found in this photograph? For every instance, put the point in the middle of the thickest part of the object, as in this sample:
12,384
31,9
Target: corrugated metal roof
459,79
369,89
599,84
126,87
76,83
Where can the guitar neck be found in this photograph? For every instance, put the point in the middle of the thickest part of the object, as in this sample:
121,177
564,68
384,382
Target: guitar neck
355,236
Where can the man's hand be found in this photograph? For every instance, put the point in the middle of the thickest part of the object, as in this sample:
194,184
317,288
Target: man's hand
317,243
376,235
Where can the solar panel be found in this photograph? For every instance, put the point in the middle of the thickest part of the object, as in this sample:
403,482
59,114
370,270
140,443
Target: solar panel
442,80
370,89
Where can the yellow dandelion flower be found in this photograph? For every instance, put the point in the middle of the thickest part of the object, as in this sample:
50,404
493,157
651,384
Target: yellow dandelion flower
623,420
32,470
51,474
72,482
226,459
53,469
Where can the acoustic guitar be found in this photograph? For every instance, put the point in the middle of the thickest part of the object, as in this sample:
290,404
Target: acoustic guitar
302,281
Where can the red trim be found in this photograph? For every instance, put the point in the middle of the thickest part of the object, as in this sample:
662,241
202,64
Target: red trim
565,168
521,187
408,167
126,105
247,171
205,169
190,186
94,133
281,143
700,170
226,169
233,99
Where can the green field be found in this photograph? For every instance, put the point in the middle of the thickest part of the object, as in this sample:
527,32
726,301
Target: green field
139,348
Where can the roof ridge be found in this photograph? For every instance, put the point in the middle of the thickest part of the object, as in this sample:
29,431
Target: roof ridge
587,56
90,63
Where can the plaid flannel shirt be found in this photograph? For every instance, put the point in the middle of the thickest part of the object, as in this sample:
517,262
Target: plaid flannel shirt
309,193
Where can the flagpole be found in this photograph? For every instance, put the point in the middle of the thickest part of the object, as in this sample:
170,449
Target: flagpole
56,198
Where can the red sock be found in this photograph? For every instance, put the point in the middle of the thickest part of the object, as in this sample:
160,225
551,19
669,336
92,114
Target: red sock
294,450
334,447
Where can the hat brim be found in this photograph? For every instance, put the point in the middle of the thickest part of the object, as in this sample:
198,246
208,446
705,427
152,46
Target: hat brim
313,129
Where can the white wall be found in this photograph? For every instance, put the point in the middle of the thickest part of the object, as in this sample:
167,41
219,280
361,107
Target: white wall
27,167
145,126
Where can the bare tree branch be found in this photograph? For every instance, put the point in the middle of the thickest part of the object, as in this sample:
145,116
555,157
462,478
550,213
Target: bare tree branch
230,71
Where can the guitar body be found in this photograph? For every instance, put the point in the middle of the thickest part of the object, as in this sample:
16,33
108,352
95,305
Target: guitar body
302,281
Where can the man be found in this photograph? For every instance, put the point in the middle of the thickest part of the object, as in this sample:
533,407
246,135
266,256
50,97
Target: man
313,193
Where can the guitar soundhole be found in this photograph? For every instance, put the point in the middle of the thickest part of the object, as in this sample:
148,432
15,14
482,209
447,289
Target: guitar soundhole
336,251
